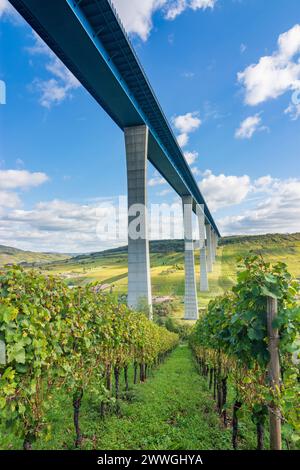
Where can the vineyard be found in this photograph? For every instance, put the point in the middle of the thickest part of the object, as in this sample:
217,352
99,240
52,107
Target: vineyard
57,337
238,343
88,347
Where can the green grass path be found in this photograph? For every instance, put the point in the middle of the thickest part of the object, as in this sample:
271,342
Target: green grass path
172,410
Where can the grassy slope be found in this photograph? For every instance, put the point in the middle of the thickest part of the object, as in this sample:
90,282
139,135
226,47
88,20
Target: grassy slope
10,255
167,266
172,410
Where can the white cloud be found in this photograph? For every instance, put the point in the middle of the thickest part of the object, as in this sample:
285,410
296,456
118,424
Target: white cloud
72,227
21,179
9,199
289,43
54,90
294,111
222,191
4,6
277,210
249,126
55,225
57,68
51,92
182,139
176,7
57,216
191,157
197,4
166,221
137,15
263,182
156,181
196,171
17,180
164,192
275,74
185,124
6,9
39,47
294,108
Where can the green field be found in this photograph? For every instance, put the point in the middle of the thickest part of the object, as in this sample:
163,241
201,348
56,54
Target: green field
167,265
109,268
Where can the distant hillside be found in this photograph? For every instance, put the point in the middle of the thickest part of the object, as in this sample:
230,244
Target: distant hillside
9,255
177,246
261,239
276,244
156,246
110,268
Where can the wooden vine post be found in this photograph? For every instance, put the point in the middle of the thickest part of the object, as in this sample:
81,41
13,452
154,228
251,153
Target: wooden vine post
274,374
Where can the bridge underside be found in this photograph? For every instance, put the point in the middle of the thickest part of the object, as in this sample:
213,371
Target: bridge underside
88,38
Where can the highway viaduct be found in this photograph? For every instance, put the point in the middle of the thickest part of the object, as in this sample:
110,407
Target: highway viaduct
88,37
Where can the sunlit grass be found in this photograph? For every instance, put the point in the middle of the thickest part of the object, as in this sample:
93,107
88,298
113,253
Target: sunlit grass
167,269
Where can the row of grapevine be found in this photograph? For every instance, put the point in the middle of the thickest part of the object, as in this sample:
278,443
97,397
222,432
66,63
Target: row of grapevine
58,337
232,346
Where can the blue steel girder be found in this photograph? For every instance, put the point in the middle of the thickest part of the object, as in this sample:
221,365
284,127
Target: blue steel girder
88,37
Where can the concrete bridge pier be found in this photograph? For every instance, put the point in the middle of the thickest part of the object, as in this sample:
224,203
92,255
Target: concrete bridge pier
214,246
203,261
209,248
139,280
190,295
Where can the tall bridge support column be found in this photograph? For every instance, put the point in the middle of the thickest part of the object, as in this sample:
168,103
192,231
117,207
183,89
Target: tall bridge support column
214,246
139,280
209,248
190,296
203,262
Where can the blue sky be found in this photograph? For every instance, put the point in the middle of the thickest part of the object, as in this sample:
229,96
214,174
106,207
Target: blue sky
227,73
